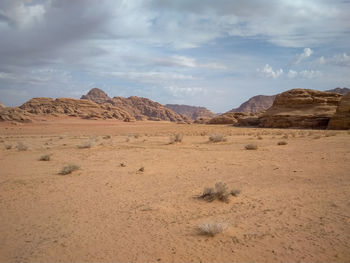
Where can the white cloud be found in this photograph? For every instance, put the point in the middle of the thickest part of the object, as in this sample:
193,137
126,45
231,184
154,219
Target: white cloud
292,74
310,74
184,91
268,72
306,53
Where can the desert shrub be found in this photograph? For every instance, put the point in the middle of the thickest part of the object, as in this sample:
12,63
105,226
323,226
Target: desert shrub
45,157
317,137
329,134
88,144
142,169
136,136
251,147
176,138
217,137
285,136
69,169
211,228
219,191
260,138
106,137
21,146
235,192
282,143
122,164
8,146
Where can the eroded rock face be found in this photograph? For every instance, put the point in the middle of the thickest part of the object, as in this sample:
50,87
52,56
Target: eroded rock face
342,91
96,95
301,108
14,114
2,105
193,112
72,107
255,104
341,118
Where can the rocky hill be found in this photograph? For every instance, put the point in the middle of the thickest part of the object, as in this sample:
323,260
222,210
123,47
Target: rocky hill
2,105
341,118
301,108
137,107
342,91
14,114
193,112
255,104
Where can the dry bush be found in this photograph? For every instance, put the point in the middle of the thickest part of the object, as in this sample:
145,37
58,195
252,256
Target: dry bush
8,146
220,192
211,228
282,143
88,144
136,136
260,138
142,169
329,134
106,137
45,157
122,164
317,137
217,137
285,136
176,138
251,147
21,146
69,169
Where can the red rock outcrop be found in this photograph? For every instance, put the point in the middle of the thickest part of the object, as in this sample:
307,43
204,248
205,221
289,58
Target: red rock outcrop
301,108
227,118
341,118
14,114
193,112
342,91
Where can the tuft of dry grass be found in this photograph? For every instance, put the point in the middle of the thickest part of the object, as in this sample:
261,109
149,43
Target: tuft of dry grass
251,147
282,143
176,138
8,146
68,169
45,157
317,137
260,138
217,137
329,134
106,137
219,191
142,169
21,146
122,164
211,228
88,144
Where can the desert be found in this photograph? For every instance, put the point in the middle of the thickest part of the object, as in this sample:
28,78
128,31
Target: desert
293,203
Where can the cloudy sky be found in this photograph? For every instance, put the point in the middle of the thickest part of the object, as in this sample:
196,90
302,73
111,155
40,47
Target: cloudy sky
213,53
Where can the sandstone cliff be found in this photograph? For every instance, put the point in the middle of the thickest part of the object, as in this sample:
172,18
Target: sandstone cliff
96,95
341,118
301,108
14,114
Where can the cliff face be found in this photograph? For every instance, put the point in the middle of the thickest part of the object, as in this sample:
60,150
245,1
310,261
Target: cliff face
341,118
193,112
342,91
96,95
255,104
301,108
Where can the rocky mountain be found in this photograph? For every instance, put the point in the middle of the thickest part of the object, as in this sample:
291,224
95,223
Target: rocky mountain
193,112
137,107
342,91
255,104
301,108
14,114
341,118
96,95
2,105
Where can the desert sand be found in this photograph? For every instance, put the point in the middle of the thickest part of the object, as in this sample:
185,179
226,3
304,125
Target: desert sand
294,204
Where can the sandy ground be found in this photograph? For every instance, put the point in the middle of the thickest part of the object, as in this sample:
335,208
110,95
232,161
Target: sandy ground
294,204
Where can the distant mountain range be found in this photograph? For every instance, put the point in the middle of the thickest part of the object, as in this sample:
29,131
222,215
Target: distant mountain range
192,112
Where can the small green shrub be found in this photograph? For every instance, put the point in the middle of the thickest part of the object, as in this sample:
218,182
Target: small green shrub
69,169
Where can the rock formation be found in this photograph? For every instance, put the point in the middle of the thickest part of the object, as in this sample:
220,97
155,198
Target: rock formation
255,104
2,105
72,107
301,108
193,112
96,95
138,108
341,118
14,114
227,118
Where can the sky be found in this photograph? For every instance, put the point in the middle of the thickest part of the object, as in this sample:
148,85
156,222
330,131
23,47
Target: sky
212,53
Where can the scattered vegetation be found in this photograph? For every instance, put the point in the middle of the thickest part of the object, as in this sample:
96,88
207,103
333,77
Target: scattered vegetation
69,169
211,228
260,138
220,192
282,143
176,138
142,169
217,137
21,146
45,157
251,147
285,136
329,134
122,164
317,137
136,136
106,137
